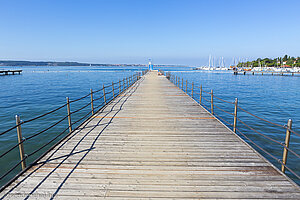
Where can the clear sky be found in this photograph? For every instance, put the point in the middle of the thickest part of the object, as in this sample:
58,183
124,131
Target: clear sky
131,31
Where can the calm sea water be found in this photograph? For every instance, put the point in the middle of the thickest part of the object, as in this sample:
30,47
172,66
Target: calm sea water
41,89
275,98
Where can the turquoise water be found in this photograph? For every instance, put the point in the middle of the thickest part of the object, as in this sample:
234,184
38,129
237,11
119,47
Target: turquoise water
41,89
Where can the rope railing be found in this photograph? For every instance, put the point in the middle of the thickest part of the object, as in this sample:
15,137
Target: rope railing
223,119
46,129
223,100
85,96
107,97
35,118
269,138
223,110
269,154
205,92
86,105
101,97
292,131
49,142
43,115
13,168
10,149
275,124
182,84
205,99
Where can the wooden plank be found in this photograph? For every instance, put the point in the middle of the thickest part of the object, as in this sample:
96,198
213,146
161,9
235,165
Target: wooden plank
153,142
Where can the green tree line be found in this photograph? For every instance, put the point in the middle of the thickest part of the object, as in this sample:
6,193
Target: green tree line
276,62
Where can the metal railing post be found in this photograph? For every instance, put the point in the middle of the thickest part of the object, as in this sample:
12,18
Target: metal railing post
287,143
119,87
186,86
92,102
192,90
126,83
104,96
200,98
123,87
69,115
182,83
113,89
235,115
20,141
212,102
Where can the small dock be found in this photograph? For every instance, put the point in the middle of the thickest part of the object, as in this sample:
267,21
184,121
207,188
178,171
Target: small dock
266,73
10,72
152,142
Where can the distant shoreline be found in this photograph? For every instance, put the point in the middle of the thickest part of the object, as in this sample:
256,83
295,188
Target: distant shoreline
61,64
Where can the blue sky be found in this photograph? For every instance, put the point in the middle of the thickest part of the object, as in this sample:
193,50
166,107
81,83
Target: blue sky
131,31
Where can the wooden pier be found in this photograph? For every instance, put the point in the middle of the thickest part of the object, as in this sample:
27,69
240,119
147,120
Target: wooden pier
266,73
10,72
152,142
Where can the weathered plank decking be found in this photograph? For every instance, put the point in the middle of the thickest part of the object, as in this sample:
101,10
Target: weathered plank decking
153,142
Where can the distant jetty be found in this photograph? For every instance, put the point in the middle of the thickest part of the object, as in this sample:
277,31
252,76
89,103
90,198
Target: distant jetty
10,72
278,73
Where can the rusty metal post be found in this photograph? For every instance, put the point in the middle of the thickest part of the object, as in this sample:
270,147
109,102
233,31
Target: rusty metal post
287,143
119,87
20,141
200,98
235,115
192,90
69,115
212,102
186,86
123,85
92,102
113,89
104,96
